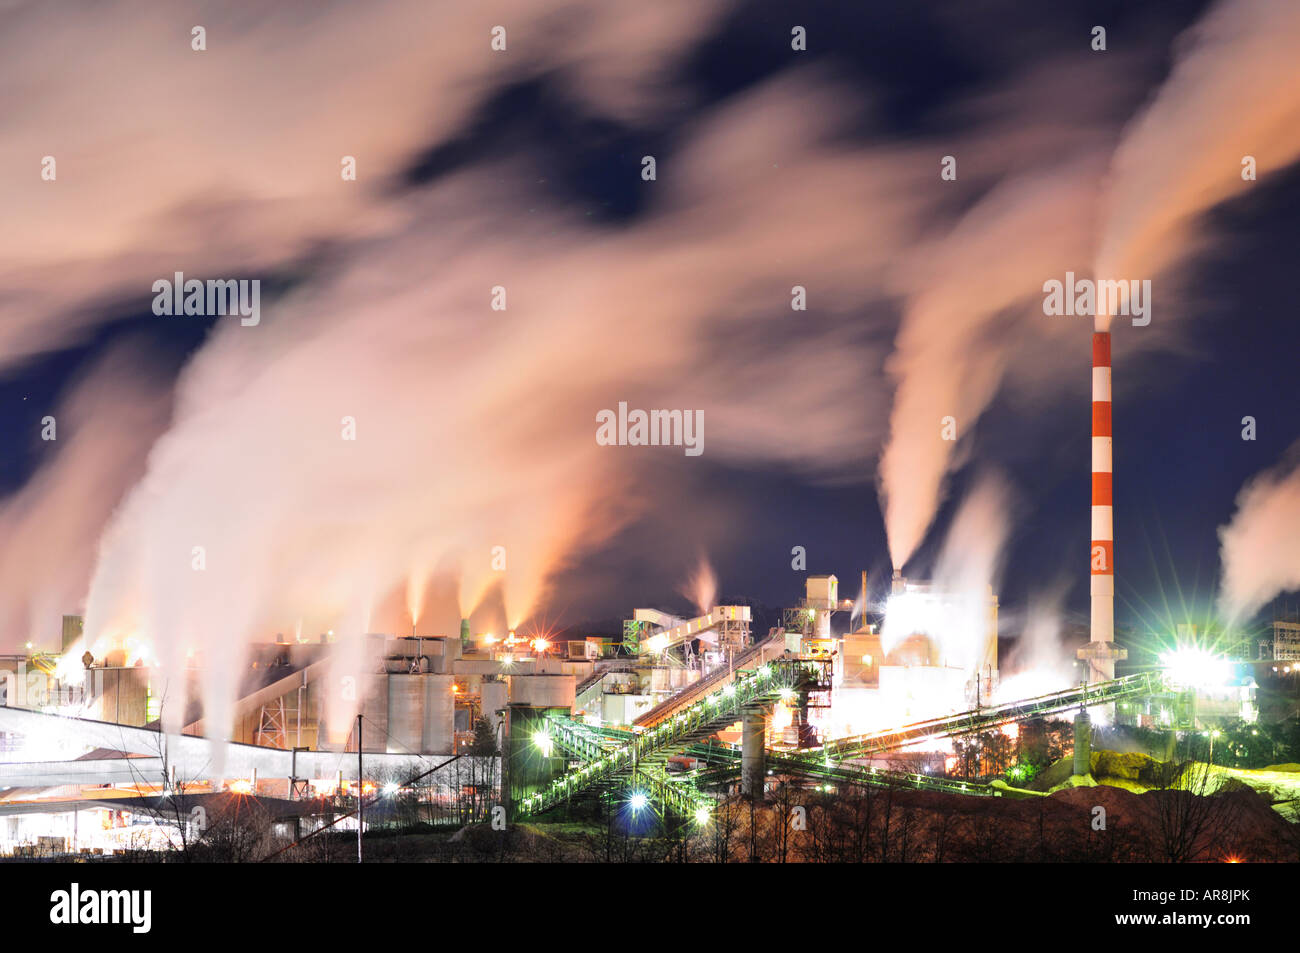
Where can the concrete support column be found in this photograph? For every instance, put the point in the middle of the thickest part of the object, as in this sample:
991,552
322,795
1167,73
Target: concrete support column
1082,743
753,753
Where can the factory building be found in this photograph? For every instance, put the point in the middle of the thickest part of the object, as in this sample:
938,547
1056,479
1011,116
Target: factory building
1286,641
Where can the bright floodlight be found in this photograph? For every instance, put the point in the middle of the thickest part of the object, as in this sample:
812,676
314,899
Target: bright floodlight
1193,667
542,741
701,816
638,801
391,788
787,694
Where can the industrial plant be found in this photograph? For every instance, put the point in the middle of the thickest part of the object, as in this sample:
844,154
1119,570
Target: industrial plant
673,718
109,753
605,431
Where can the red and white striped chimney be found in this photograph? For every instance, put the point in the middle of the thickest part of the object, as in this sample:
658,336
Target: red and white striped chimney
1102,559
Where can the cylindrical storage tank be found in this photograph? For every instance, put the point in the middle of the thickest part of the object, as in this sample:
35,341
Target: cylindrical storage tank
543,691
1082,743
753,753
374,711
405,713
439,715
493,696
823,626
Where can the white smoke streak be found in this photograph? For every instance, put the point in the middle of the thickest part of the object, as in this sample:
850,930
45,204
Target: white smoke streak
1231,93
49,529
1260,548
702,587
475,428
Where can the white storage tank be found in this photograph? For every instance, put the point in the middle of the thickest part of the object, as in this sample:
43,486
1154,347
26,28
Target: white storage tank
439,735
493,696
405,713
543,691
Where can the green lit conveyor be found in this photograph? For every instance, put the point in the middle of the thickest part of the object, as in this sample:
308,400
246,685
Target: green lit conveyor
607,753
723,764
983,718
707,715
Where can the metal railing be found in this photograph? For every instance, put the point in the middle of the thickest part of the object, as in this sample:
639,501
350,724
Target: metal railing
984,718
715,710
608,751
755,656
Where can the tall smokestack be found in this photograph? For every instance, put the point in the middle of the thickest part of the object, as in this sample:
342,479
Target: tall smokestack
1101,652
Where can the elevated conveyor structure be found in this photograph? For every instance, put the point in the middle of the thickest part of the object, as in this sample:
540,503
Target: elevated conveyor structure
588,744
608,753
672,631
984,718
756,656
707,715
725,766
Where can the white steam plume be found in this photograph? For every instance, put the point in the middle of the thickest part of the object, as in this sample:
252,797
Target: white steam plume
702,587
476,428
1260,548
1232,93
49,529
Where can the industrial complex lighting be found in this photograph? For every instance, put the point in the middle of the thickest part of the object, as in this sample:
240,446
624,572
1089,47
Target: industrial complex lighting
656,643
542,741
701,816
638,801
1193,667
391,788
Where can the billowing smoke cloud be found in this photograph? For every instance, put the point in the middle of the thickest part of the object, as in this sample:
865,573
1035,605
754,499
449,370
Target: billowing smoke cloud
475,428
1039,663
970,566
972,291
1232,94
474,456
957,340
1259,549
232,165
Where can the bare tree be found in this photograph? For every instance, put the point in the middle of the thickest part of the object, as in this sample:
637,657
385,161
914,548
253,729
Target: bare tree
1192,816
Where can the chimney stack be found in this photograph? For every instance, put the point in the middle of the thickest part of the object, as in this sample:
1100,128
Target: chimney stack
1101,652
